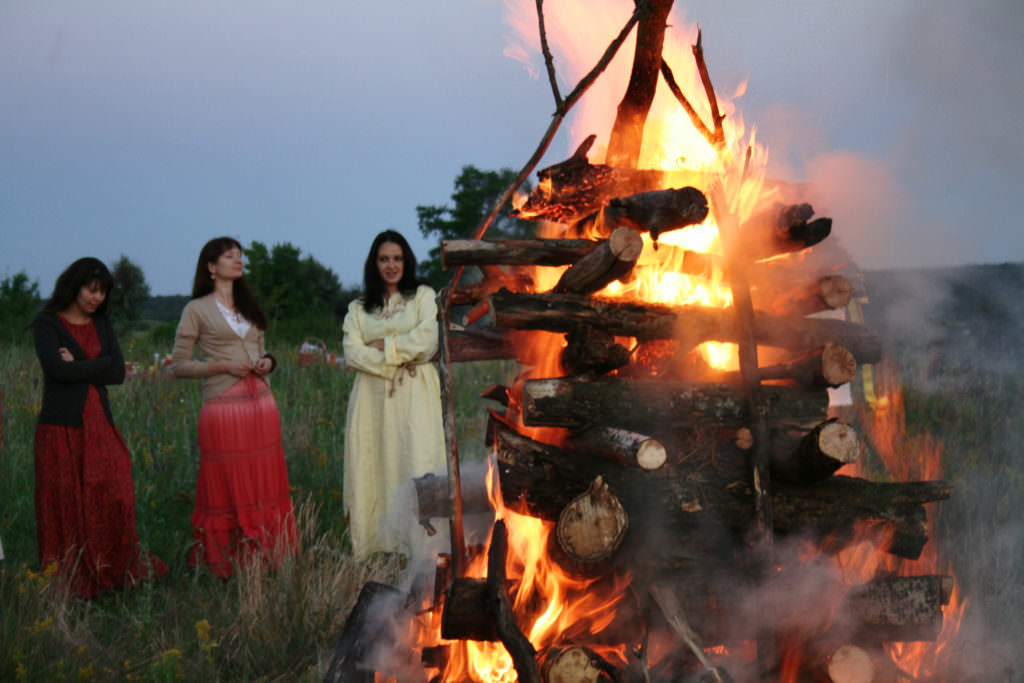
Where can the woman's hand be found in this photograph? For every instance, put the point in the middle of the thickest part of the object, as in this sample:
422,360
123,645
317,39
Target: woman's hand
65,355
263,367
238,368
377,344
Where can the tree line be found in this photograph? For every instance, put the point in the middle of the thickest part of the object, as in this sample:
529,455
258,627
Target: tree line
295,290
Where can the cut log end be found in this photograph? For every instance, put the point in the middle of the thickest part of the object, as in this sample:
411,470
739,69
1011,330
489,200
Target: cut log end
836,291
840,442
851,664
591,527
651,455
573,665
838,365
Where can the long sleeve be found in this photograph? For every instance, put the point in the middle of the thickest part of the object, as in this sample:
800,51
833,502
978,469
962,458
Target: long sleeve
358,355
419,343
116,372
182,362
48,344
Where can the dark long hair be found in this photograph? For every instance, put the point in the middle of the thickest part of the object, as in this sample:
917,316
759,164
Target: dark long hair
374,288
81,273
202,284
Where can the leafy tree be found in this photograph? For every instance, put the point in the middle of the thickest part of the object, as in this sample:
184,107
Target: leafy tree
474,195
291,287
130,292
19,302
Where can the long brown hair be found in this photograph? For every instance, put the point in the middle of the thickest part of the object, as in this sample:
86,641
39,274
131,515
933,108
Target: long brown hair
81,273
202,284
374,289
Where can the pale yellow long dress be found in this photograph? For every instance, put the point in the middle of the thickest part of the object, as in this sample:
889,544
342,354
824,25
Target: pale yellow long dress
393,430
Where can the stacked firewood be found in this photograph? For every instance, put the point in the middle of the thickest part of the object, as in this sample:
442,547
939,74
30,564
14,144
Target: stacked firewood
646,465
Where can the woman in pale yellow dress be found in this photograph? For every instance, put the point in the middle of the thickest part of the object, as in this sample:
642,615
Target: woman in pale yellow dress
393,430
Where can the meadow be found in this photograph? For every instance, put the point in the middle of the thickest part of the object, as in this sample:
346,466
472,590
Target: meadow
280,625
259,625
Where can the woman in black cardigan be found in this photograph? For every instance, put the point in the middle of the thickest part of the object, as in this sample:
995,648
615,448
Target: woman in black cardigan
85,499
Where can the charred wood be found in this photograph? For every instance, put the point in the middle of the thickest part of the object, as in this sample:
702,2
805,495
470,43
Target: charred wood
524,657
651,405
611,260
619,445
782,229
654,211
816,455
829,292
369,625
590,351
467,613
537,252
690,325
540,480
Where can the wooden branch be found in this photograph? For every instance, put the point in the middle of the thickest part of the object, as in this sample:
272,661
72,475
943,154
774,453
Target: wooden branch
705,78
698,123
556,122
690,325
611,260
538,252
549,61
524,657
650,404
628,130
458,540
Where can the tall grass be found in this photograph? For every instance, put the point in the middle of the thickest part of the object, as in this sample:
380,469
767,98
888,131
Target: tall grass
261,624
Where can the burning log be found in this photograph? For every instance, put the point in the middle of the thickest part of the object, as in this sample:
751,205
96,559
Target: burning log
654,211
370,624
816,455
592,351
827,293
691,325
467,614
537,252
524,657
901,608
611,260
591,527
541,480
782,229
829,366
648,404
619,445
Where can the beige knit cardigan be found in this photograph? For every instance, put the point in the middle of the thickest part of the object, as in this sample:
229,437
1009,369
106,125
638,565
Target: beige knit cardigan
203,324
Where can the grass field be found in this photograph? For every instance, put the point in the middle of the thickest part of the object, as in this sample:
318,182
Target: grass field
280,625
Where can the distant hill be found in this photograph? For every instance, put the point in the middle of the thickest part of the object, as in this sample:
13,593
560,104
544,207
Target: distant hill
951,320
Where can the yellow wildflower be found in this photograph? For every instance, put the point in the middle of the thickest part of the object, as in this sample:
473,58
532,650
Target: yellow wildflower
85,674
203,630
41,626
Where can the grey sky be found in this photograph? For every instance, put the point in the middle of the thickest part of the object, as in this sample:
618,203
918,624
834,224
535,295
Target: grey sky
145,128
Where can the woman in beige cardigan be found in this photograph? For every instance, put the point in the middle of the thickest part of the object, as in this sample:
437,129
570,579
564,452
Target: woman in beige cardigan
243,508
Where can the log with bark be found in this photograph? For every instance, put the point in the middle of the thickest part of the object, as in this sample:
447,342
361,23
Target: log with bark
809,457
619,445
689,325
781,229
829,292
710,492
536,252
611,260
654,212
651,405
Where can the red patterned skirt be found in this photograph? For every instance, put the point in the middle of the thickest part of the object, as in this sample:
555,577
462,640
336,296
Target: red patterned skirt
243,507
85,505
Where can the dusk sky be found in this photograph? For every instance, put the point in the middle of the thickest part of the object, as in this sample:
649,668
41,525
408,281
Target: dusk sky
146,128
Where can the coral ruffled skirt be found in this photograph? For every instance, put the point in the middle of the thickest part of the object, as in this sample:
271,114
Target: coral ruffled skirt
243,507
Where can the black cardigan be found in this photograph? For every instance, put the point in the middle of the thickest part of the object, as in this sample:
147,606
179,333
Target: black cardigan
66,383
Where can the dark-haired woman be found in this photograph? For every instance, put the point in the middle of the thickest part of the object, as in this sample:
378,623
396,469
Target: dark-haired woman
243,507
85,499
393,429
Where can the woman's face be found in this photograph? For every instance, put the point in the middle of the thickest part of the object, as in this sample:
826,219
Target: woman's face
228,266
90,297
391,264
